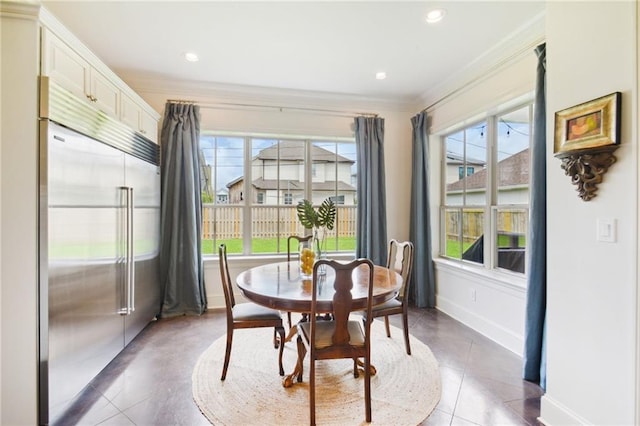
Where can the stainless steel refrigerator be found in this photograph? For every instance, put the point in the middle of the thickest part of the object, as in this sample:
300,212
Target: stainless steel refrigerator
99,244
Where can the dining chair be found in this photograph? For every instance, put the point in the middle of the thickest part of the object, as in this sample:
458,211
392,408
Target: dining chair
298,240
400,259
246,315
340,337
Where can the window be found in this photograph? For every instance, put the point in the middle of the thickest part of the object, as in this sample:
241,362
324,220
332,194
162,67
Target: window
337,200
274,174
461,173
486,191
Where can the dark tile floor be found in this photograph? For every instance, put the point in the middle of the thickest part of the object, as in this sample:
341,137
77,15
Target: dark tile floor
149,383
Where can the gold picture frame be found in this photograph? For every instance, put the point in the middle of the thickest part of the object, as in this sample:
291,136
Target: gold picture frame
592,124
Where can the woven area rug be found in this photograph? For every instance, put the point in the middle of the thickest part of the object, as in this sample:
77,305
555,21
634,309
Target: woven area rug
404,391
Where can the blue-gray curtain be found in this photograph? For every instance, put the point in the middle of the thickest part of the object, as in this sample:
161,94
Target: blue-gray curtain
535,342
372,206
422,277
181,268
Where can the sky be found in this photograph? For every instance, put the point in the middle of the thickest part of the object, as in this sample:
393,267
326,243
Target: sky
230,150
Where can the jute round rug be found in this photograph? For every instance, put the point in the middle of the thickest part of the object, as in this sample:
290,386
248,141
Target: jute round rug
404,391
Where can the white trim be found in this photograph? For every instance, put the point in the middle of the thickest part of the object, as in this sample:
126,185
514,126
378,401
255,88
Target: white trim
556,413
503,281
483,300
490,329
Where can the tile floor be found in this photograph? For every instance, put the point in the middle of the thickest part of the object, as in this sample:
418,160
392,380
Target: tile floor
149,383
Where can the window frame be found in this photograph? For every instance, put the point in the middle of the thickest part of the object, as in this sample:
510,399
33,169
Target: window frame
247,204
491,206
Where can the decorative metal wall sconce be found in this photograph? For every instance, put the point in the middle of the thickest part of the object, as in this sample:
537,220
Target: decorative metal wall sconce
586,136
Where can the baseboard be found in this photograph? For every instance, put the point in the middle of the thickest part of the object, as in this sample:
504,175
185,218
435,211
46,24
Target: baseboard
485,326
553,413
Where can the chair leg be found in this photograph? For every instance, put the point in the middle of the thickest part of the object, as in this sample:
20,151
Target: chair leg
289,318
367,388
276,342
312,392
227,354
405,324
281,333
356,374
386,325
302,351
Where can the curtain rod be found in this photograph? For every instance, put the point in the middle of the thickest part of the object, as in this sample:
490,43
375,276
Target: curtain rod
233,105
489,72
181,101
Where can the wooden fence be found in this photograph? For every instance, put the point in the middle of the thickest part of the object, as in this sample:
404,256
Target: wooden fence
510,221
225,222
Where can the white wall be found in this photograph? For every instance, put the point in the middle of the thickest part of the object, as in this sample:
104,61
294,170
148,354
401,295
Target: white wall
592,286
218,114
18,217
488,301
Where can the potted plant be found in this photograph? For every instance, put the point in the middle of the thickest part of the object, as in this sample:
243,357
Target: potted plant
319,221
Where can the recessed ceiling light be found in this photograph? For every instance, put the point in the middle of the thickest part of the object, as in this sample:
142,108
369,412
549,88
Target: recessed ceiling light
381,75
435,15
191,57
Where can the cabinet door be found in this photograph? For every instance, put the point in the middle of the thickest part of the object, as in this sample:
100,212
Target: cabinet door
149,126
129,112
105,94
133,115
64,66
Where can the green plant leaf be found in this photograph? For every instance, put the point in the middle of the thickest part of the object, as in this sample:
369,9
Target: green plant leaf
307,215
327,214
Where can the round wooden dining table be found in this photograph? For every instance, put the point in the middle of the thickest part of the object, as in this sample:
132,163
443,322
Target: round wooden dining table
281,286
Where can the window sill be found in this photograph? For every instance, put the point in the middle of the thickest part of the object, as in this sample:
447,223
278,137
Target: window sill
504,279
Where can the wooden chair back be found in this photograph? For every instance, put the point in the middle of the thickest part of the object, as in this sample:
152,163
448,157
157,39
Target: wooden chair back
342,304
298,241
229,299
400,259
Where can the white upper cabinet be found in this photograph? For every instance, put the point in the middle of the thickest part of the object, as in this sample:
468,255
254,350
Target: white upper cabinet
70,70
136,117
67,68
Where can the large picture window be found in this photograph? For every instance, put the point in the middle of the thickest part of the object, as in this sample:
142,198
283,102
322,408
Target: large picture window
251,187
486,191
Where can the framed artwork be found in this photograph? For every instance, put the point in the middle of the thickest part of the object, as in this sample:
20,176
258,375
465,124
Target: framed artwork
592,124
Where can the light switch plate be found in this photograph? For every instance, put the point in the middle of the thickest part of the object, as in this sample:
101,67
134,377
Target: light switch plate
606,230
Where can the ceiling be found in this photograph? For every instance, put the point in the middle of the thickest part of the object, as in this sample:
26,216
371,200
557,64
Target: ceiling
326,46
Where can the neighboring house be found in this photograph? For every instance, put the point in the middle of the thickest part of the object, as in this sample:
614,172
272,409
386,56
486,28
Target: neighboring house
457,170
278,176
513,182
222,196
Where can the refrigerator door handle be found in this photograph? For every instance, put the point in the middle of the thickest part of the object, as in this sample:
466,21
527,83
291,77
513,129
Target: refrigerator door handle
131,255
128,251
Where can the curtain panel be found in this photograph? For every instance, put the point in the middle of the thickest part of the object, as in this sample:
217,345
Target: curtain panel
534,350
423,276
372,207
181,267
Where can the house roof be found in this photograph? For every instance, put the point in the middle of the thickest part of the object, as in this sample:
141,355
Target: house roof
512,171
291,150
296,185
453,158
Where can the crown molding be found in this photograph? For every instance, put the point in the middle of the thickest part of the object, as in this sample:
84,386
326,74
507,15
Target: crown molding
206,92
511,49
26,9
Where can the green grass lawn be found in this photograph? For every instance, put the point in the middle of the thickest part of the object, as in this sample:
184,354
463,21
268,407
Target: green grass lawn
270,245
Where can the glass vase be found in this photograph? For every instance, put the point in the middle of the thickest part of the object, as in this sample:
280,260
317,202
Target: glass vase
306,258
319,247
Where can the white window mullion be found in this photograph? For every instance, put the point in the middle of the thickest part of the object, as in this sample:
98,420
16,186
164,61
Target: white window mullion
246,205
490,242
